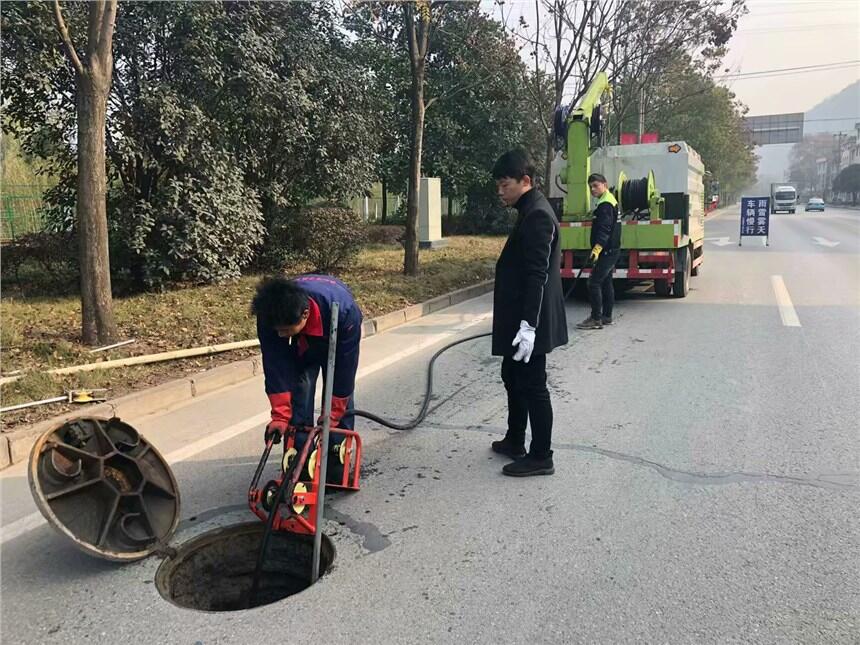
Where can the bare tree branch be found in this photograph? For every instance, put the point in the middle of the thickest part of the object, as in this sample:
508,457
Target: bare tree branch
67,39
97,11
106,31
411,37
424,35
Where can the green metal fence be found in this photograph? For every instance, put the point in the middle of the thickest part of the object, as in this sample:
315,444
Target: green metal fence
22,209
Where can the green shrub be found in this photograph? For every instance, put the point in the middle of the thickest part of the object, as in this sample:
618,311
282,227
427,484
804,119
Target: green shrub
326,236
484,214
388,234
41,262
200,227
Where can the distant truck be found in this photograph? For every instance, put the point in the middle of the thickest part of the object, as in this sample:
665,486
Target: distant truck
783,197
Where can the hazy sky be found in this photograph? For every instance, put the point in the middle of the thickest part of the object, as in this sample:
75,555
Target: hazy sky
783,33
775,34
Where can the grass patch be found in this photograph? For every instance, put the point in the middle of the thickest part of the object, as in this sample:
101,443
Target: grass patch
39,334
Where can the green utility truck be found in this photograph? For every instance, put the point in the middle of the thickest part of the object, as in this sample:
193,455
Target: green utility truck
662,210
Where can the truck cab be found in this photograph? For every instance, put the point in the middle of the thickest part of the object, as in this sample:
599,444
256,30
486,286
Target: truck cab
783,198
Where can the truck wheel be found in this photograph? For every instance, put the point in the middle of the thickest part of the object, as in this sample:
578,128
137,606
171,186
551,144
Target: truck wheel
662,288
682,278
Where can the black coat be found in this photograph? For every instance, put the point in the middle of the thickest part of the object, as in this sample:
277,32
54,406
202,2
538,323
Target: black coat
528,280
605,229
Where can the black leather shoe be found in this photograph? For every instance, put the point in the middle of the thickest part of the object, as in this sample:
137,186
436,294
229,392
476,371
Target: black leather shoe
528,466
505,447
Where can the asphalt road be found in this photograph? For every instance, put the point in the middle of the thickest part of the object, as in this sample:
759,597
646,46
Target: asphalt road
707,482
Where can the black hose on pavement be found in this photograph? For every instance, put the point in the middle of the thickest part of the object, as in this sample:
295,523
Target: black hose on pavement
428,391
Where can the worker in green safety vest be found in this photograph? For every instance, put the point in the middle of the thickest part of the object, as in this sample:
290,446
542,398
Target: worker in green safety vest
605,249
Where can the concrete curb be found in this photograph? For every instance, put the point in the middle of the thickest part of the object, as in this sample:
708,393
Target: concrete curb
15,446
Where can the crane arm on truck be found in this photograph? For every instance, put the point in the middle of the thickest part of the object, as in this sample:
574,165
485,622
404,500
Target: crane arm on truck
579,132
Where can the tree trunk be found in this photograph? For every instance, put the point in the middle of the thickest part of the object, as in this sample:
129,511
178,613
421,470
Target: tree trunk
98,325
410,261
384,199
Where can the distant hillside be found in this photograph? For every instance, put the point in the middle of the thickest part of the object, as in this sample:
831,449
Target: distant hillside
835,108
827,116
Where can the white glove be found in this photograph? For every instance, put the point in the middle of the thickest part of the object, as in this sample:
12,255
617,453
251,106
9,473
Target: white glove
526,340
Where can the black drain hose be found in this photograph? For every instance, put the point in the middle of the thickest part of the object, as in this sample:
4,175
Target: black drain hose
634,194
264,544
428,391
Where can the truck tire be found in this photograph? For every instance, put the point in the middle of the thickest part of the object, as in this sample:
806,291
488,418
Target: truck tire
663,288
682,278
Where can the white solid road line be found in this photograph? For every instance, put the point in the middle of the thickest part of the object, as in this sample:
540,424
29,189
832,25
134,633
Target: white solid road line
34,520
783,300
19,527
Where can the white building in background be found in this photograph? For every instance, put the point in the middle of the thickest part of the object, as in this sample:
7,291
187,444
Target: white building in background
850,149
846,151
823,179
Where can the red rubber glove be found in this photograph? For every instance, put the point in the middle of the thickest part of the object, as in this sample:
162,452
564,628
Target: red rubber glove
338,410
282,412
274,431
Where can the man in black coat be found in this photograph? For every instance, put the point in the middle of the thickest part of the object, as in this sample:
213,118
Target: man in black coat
528,315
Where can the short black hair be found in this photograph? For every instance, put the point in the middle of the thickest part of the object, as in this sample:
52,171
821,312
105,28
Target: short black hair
279,302
596,176
514,164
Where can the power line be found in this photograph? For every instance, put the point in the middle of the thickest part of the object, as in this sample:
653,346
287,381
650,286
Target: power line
812,27
794,69
797,70
794,13
787,74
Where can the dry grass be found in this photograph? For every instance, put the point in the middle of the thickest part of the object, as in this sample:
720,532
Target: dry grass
42,333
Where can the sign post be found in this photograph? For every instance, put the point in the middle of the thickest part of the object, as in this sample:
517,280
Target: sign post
755,218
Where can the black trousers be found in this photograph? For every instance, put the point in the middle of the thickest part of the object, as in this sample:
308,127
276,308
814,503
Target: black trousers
600,290
528,401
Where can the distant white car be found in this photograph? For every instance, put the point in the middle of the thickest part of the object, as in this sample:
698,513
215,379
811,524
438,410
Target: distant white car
815,204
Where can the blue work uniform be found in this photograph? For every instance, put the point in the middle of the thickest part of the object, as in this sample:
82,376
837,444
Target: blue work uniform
291,366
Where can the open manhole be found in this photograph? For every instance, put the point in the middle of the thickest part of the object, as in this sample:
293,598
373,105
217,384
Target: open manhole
214,571
106,489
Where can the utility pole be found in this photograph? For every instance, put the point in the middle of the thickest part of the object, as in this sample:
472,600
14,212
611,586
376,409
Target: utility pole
837,162
641,114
